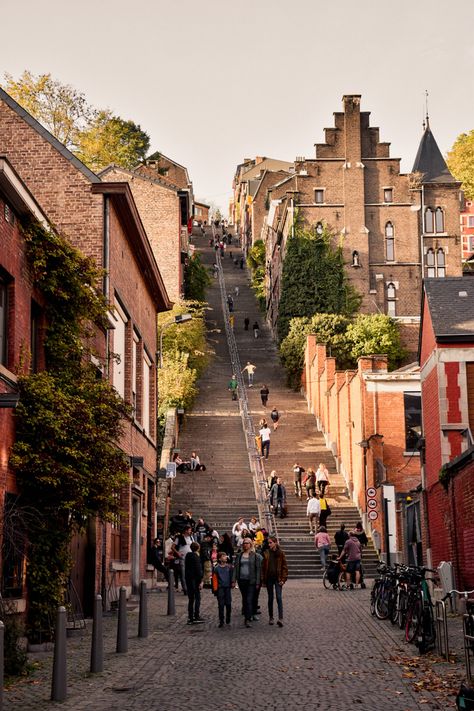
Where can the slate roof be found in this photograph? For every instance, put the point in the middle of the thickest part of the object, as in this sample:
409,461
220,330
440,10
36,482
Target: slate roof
430,162
451,305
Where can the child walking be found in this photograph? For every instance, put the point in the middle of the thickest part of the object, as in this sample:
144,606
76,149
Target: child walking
222,587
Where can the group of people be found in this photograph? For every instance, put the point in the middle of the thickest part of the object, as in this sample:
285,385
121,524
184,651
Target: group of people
311,480
349,554
249,559
192,464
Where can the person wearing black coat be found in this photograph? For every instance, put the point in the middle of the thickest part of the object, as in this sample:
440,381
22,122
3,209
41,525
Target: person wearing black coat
155,555
193,574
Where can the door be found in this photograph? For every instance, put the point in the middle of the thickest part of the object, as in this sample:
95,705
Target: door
136,515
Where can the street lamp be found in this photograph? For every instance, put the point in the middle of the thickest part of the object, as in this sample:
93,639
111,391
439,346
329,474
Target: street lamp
180,318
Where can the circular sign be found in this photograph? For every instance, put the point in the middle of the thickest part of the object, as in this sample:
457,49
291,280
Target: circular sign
373,515
371,492
372,504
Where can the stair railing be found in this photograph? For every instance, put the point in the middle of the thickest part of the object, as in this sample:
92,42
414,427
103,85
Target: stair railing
255,458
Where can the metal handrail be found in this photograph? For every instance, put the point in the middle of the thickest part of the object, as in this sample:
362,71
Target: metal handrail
255,458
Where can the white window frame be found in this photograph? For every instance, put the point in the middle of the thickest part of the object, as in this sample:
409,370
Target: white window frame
146,393
389,240
385,190
135,344
120,319
391,300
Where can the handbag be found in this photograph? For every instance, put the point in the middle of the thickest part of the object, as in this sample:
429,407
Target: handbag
328,509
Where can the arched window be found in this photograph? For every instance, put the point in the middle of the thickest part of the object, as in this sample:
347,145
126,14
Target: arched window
441,262
430,263
389,242
391,299
429,221
439,219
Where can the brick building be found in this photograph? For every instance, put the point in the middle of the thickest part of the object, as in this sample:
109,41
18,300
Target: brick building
248,180
102,220
371,421
158,203
395,228
21,324
467,229
201,212
446,356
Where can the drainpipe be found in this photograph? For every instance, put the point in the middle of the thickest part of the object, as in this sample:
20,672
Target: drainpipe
422,231
105,289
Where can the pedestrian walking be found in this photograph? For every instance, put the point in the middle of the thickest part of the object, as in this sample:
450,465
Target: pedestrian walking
278,498
271,479
232,386
236,290
325,510
241,262
312,512
157,563
322,478
298,472
274,576
310,483
323,544
180,548
222,585
246,323
247,574
340,537
230,302
352,553
275,417
256,329
250,370
193,575
264,433
231,321
264,393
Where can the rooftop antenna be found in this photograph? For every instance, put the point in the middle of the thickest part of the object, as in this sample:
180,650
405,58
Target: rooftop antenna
426,109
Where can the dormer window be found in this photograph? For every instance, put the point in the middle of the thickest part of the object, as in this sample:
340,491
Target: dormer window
388,194
389,242
319,196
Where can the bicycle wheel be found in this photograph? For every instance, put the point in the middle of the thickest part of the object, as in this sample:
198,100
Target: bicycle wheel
383,603
402,608
427,635
326,582
341,581
394,610
373,596
414,618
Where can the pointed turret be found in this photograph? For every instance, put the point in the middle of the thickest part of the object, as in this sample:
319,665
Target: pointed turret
429,160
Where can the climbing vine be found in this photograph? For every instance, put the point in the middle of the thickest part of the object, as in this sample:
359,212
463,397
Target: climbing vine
69,420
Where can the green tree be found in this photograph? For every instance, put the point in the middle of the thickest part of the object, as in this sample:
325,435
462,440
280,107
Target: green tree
313,279
256,261
61,109
68,464
196,279
460,160
110,139
372,334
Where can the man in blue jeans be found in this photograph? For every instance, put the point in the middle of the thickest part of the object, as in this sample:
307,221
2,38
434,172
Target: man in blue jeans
353,552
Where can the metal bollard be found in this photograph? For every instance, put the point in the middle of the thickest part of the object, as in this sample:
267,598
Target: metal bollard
97,648
171,607
122,632
59,681
2,656
143,612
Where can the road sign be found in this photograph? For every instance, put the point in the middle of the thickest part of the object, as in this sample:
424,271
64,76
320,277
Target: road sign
171,470
371,492
373,515
371,504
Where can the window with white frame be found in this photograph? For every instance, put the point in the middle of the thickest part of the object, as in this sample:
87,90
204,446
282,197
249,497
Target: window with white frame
434,220
319,195
429,221
388,194
135,345
470,221
389,242
435,263
391,299
146,393
118,374
439,220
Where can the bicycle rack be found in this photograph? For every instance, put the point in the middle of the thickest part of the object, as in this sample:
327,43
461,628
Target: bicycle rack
468,646
441,620
255,458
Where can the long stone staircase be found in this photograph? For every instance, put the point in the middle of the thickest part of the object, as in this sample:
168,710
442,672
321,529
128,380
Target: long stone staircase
225,490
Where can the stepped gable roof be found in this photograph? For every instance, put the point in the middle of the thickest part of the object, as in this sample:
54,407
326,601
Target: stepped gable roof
429,160
39,128
451,304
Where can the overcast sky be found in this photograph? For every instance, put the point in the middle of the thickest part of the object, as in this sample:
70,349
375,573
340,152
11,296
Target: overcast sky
216,81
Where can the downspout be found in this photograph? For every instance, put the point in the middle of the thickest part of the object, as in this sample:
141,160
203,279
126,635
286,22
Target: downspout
422,231
105,289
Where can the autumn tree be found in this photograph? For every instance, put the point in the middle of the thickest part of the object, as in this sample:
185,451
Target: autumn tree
460,161
61,109
110,139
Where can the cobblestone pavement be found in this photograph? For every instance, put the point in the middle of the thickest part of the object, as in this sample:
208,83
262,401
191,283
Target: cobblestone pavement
330,654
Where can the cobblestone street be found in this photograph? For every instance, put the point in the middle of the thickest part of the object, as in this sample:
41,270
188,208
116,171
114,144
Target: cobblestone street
331,654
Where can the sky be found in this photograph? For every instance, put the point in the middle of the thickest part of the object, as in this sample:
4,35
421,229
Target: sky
213,81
